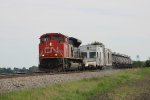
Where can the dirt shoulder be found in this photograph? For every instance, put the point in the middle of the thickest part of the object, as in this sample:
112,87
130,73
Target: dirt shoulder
135,90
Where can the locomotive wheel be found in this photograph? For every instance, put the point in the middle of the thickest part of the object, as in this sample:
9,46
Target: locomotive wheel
60,69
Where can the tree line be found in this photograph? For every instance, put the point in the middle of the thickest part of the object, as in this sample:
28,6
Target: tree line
141,63
18,70
35,69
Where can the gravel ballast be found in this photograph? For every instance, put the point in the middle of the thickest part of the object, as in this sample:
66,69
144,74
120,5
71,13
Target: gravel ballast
11,84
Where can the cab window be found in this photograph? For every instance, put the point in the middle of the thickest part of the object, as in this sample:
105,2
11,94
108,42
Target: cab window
92,54
58,38
45,39
84,54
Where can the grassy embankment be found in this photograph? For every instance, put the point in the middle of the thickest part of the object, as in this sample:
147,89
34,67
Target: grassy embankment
78,90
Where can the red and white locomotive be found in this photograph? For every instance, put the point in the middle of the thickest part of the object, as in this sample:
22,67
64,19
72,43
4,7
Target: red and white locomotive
58,52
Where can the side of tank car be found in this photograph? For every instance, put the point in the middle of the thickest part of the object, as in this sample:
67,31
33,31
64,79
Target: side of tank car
121,61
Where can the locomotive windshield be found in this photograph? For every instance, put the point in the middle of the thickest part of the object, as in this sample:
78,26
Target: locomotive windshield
92,54
45,38
58,38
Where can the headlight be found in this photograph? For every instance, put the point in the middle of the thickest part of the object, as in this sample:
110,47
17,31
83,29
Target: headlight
50,44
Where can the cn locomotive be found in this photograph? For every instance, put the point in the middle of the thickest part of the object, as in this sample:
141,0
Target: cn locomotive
58,52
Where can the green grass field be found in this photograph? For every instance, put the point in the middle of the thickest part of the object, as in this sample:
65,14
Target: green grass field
78,90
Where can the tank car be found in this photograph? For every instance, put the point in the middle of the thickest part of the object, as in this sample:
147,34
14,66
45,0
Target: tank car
121,61
58,52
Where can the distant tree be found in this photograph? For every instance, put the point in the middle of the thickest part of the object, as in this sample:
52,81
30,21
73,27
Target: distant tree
96,43
9,70
6,70
33,69
147,63
16,70
138,64
24,70
2,70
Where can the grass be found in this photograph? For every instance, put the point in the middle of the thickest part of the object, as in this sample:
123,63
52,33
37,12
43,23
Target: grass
77,90
136,89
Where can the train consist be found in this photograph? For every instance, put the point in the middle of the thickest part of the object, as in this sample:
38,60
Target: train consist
58,52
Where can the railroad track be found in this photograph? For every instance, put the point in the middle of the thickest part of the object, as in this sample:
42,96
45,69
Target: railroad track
5,76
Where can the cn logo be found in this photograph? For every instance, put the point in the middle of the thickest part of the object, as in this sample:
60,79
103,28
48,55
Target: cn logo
52,50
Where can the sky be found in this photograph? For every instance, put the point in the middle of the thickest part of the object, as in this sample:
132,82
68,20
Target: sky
122,25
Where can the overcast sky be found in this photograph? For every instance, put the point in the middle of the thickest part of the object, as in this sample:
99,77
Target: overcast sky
122,25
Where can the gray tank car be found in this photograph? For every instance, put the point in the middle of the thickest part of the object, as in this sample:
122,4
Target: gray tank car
121,61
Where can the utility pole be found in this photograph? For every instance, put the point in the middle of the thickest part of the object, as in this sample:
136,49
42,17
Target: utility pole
138,58
138,61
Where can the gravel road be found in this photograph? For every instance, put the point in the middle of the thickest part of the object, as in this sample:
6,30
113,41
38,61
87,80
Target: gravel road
11,84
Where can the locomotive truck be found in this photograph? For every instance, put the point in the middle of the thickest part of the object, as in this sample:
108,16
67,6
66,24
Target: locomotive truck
58,52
